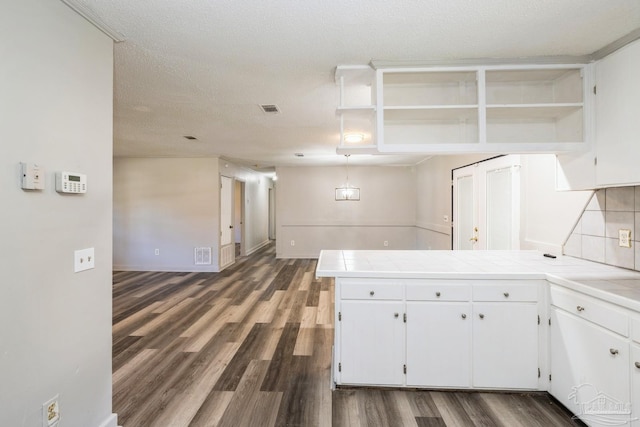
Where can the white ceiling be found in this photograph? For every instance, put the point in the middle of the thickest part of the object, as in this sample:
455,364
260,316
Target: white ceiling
201,67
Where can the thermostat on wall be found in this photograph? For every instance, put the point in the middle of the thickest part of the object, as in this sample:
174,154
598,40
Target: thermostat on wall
71,182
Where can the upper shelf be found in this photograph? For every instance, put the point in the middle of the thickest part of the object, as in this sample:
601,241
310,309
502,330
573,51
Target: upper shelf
537,108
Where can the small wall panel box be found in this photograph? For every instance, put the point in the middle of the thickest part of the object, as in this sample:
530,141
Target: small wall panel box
71,182
32,176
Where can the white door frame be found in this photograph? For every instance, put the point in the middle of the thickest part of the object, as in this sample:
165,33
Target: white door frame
226,250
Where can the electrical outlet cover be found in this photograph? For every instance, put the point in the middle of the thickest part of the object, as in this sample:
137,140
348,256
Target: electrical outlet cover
51,412
624,238
84,259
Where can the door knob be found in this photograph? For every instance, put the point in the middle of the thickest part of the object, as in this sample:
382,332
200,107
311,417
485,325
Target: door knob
395,315
613,351
580,308
372,293
637,365
473,239
464,316
506,294
437,294
481,316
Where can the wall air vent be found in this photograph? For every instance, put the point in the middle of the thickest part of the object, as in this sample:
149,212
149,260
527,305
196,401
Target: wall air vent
270,108
203,256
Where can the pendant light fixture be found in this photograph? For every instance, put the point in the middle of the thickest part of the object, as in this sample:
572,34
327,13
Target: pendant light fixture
346,192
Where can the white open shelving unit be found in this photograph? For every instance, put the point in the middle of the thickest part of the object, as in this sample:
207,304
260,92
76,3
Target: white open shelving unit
489,109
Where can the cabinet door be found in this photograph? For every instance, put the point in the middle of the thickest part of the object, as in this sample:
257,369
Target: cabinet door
589,368
635,384
439,344
372,345
617,112
505,345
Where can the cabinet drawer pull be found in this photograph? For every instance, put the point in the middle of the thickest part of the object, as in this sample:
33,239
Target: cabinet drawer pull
580,308
481,315
371,293
613,351
464,316
506,294
437,294
637,365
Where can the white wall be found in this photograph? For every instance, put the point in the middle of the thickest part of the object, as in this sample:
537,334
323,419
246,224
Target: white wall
173,204
56,82
308,214
167,204
548,216
434,199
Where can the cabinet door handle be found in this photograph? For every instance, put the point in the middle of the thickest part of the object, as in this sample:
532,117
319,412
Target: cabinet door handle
464,316
481,315
580,308
637,365
372,293
506,294
613,351
395,315
438,294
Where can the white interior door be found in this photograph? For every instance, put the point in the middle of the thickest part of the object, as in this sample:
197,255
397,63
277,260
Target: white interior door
486,205
465,206
227,240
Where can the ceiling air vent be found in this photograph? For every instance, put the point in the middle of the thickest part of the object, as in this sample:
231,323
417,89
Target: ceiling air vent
270,108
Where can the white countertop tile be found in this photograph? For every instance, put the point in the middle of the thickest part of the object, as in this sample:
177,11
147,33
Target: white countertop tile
617,285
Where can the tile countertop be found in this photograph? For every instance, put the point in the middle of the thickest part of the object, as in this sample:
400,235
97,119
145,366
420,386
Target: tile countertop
613,284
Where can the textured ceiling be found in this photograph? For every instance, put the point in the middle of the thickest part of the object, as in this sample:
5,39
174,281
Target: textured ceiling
201,67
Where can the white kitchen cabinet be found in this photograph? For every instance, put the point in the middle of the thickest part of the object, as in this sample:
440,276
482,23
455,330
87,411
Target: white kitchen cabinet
615,128
635,384
357,103
439,344
427,330
484,109
589,368
505,345
617,112
372,337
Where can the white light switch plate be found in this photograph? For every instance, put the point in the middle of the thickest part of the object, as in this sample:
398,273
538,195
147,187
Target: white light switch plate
84,259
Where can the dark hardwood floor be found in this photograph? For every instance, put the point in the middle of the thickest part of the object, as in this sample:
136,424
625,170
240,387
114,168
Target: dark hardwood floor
251,346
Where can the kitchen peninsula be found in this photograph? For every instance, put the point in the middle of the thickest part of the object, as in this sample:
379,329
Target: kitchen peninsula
502,320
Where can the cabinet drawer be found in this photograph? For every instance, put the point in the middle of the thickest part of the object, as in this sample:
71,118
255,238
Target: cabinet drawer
371,289
586,307
446,290
508,291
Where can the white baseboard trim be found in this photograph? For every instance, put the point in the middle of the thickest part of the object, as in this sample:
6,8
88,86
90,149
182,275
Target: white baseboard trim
111,421
258,247
174,269
298,256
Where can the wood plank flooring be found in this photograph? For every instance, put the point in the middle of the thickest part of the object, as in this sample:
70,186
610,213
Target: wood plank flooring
251,346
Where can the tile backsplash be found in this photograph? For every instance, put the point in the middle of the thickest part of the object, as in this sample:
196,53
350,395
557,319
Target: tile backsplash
595,236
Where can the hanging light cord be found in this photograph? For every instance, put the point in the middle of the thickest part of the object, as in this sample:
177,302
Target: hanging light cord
347,156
